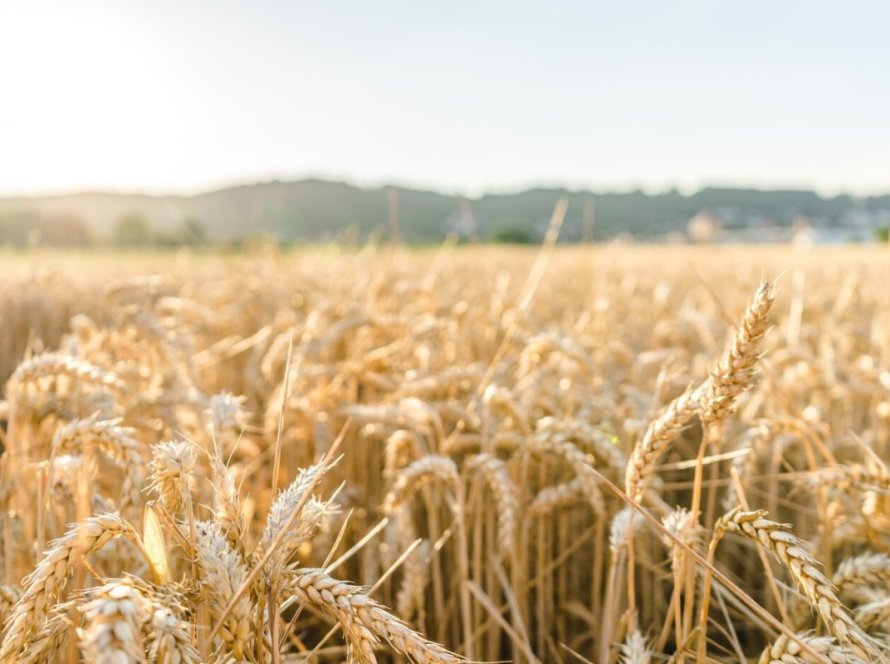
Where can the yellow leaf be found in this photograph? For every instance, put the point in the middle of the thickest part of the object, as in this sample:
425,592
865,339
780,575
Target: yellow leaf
155,546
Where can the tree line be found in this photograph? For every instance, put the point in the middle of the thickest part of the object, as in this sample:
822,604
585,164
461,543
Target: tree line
31,229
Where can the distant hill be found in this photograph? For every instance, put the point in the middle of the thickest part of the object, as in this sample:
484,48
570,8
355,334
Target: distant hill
319,210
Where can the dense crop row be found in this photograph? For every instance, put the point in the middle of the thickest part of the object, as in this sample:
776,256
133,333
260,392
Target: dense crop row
592,455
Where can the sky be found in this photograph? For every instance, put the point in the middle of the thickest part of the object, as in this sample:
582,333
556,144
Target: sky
186,95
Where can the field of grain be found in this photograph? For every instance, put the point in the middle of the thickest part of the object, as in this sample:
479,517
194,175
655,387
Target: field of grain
609,454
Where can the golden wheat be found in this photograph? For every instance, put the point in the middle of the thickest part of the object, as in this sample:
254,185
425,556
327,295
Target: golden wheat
484,417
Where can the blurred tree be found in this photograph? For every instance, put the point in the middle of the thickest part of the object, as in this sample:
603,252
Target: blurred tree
131,230
65,230
513,236
16,227
30,228
191,232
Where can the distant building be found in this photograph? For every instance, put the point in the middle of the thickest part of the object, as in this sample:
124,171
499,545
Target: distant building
463,222
703,227
803,235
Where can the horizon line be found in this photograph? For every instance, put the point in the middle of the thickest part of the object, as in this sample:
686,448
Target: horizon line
150,192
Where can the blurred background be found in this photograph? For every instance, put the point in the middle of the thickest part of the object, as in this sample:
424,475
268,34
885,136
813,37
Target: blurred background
160,124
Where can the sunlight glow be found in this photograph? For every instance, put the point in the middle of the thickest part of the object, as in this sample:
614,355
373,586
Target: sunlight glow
85,96
170,96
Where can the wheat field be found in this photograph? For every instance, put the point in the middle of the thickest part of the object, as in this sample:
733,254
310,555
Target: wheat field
598,454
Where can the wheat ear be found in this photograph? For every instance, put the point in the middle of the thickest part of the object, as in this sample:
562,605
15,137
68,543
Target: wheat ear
587,438
171,467
9,595
49,365
222,575
44,645
363,619
861,575
874,614
790,551
785,650
733,372
634,650
714,399
435,466
580,462
169,639
299,530
555,497
45,584
113,619
415,578
115,442
226,503
657,439
167,633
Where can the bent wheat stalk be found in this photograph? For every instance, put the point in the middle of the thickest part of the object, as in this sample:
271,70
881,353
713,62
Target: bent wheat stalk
363,620
494,471
789,550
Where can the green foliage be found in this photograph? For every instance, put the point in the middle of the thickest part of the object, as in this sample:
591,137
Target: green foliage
131,230
883,234
191,232
513,235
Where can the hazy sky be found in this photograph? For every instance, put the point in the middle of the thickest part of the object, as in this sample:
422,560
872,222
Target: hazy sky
183,95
